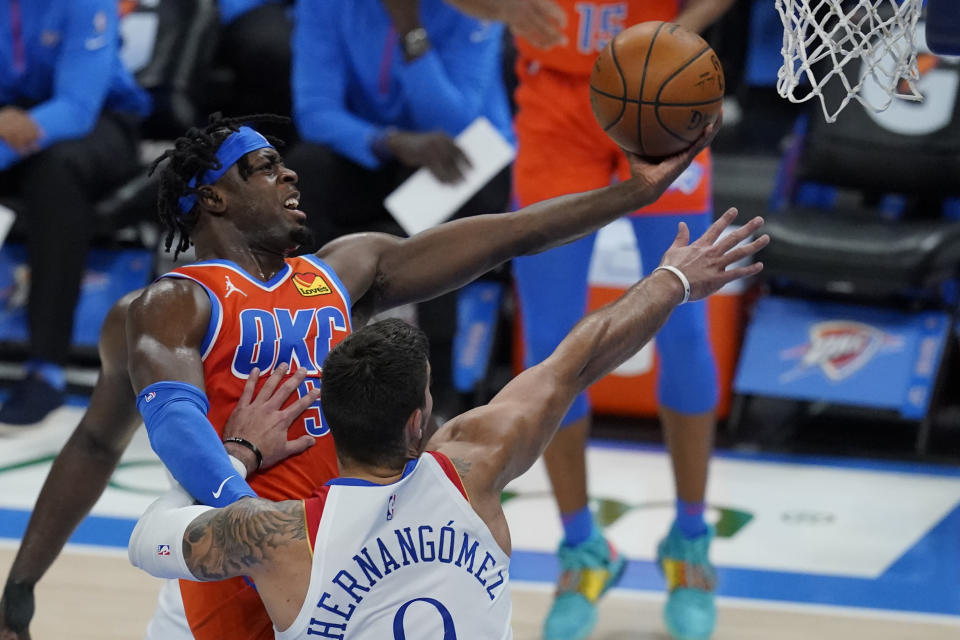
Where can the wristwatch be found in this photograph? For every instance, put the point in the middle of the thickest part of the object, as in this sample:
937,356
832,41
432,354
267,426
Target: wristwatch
415,43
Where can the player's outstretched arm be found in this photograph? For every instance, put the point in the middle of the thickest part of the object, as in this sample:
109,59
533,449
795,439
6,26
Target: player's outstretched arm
503,438
78,476
215,543
383,271
238,540
252,537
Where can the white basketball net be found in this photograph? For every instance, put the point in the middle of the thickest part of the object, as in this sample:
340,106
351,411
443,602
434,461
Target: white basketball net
820,37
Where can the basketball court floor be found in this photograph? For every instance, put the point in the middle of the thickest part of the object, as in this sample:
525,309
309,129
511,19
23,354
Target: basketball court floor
806,547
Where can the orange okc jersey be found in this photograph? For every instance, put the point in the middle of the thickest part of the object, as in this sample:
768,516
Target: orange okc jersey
590,26
296,317
551,101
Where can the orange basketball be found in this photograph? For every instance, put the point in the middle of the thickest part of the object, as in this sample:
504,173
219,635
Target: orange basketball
655,87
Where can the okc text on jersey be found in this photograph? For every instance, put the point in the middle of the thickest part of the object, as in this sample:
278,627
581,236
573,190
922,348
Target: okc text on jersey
269,337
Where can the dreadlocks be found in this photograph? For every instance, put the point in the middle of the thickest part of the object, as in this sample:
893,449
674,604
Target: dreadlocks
192,155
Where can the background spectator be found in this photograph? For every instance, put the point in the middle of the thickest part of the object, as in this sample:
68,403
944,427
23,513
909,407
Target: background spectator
68,132
379,89
555,121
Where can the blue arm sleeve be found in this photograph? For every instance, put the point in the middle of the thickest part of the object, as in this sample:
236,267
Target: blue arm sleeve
175,416
319,86
447,86
84,69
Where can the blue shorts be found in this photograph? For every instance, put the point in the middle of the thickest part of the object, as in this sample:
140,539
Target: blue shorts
553,296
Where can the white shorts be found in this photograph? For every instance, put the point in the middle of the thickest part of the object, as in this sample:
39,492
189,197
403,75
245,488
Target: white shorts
169,621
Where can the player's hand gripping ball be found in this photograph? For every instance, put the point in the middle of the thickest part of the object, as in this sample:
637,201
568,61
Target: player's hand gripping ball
655,87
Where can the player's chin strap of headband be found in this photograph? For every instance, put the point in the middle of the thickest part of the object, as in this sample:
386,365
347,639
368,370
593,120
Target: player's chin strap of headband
238,144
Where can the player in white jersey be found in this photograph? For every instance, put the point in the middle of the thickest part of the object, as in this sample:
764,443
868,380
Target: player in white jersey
411,538
414,549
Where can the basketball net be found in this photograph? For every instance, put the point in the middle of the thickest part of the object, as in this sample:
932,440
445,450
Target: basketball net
821,37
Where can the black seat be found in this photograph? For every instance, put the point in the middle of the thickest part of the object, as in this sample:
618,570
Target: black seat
911,150
834,252
174,76
864,222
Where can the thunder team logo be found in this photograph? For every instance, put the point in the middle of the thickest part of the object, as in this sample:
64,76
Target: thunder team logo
310,284
839,348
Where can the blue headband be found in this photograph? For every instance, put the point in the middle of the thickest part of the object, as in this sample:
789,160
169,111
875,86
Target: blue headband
237,145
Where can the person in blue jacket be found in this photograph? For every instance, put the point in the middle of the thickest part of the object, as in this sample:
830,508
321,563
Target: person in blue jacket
69,116
380,89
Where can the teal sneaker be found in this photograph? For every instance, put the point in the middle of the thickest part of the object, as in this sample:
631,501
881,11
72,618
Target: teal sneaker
690,612
589,570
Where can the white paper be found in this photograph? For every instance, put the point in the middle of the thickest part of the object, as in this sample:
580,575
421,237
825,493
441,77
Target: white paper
422,201
7,217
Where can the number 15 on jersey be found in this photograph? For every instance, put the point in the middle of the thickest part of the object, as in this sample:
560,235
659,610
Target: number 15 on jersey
598,24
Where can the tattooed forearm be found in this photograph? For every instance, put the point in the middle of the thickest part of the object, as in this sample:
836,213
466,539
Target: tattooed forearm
223,543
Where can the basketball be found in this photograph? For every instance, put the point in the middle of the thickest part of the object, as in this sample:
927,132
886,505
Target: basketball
655,87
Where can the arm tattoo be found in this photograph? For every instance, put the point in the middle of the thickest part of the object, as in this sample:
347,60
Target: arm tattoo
223,543
462,466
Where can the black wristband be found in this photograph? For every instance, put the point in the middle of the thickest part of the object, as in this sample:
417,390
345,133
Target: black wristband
18,606
248,445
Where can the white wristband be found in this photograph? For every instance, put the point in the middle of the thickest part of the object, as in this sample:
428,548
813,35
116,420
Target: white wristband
683,280
239,466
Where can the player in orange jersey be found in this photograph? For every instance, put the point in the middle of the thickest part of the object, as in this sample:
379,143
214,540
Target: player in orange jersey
554,120
310,558
246,308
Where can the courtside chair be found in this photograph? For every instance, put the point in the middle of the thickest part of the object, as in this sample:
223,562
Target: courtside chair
863,262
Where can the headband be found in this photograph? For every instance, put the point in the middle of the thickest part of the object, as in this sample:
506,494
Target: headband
238,144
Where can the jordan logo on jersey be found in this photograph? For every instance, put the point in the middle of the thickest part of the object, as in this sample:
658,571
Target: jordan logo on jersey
232,288
310,284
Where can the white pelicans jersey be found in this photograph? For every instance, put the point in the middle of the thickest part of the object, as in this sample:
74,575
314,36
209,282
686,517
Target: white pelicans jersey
408,560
